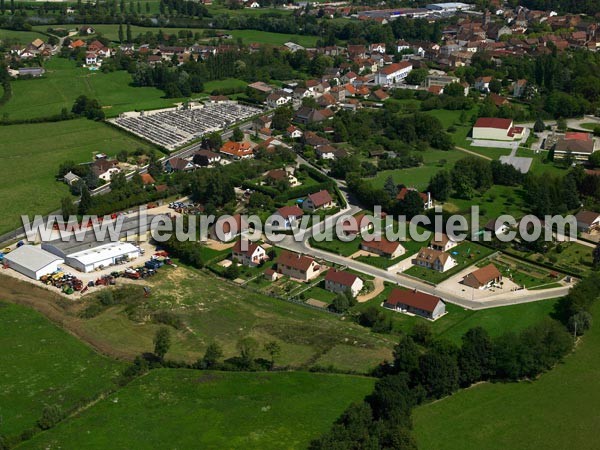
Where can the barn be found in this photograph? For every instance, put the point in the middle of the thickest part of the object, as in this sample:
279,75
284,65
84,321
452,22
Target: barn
32,261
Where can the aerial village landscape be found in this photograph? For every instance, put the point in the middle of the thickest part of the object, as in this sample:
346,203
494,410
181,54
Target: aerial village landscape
334,125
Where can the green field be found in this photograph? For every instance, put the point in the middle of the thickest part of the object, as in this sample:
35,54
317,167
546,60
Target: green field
228,83
43,365
30,156
458,321
194,409
418,177
213,310
554,412
263,37
21,37
64,82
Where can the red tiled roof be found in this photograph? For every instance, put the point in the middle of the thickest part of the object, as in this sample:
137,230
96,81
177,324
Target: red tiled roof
320,198
483,276
415,299
382,245
290,211
493,122
147,178
295,260
341,277
250,247
405,191
395,67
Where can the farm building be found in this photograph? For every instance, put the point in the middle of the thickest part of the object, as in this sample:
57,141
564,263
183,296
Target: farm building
32,262
496,129
415,302
483,278
339,281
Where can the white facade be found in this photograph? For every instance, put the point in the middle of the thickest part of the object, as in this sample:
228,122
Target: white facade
392,74
103,256
33,262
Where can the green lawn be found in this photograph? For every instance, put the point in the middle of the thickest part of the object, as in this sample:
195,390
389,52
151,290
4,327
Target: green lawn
465,254
418,177
213,310
30,156
194,409
64,82
554,412
228,83
458,321
21,37
264,37
43,365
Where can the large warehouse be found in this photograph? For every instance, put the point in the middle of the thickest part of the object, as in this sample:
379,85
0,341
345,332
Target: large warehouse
32,261
89,254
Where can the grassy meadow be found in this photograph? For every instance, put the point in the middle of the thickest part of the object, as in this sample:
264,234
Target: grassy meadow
554,412
64,82
212,410
212,310
43,365
29,159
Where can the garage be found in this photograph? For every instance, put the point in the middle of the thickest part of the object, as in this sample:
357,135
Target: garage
32,262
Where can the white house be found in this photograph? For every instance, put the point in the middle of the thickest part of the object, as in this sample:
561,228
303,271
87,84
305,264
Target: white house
300,267
483,84
248,253
415,302
587,221
434,260
32,262
318,200
442,242
289,216
279,98
392,74
339,281
294,132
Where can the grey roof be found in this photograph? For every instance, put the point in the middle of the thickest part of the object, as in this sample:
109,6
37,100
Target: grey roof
30,257
87,239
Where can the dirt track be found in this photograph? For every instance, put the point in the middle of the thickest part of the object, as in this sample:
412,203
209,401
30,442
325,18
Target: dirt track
59,310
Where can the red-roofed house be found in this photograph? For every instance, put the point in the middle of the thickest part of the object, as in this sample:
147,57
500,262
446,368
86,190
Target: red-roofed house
238,150
147,178
318,200
248,253
392,74
483,278
288,215
297,266
383,247
434,260
415,302
340,281
425,196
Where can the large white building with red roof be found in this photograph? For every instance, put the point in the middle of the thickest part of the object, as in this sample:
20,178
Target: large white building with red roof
497,129
394,73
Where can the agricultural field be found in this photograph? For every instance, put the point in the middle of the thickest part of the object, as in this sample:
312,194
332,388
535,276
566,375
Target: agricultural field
212,410
458,320
556,411
64,82
19,37
43,365
30,155
209,309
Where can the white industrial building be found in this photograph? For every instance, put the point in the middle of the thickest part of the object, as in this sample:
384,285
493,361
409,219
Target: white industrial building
449,7
32,261
394,73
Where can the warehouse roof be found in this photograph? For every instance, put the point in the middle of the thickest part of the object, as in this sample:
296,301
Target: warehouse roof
104,252
32,258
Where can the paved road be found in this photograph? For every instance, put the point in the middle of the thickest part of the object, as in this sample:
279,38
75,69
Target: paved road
302,245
